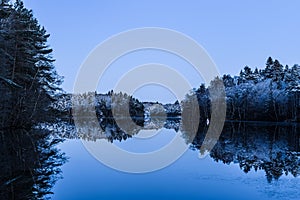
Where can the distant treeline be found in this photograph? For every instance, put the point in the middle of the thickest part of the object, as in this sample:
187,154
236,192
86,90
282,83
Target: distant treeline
106,106
269,94
31,92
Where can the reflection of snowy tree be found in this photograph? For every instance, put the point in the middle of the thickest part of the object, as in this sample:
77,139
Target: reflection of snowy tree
274,149
190,117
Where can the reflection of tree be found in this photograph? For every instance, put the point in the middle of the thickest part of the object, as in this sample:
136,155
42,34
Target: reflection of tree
107,128
94,130
30,164
202,107
190,117
114,132
274,149
172,123
107,116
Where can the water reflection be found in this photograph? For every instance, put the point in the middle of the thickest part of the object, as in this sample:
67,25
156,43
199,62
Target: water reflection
30,164
273,148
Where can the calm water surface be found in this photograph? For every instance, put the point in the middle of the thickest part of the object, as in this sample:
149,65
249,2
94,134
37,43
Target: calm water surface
250,161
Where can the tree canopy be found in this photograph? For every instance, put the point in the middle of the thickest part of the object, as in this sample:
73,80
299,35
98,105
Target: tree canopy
27,74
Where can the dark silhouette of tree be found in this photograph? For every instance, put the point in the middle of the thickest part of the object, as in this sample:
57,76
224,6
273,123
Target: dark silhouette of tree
27,75
277,70
267,72
30,164
270,94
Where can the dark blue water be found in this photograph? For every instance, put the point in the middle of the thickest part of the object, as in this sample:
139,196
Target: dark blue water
190,177
249,161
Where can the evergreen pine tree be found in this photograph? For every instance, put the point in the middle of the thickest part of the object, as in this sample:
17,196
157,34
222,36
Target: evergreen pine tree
267,72
277,71
27,66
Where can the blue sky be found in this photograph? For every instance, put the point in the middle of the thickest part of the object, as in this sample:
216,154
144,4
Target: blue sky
234,33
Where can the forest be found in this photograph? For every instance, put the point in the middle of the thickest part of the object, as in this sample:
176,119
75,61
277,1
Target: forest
29,83
37,114
29,86
33,94
267,94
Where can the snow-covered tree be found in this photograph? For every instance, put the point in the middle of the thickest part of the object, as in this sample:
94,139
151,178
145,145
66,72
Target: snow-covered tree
27,71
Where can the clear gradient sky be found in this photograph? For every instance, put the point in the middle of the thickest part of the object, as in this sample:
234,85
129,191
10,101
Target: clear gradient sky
234,33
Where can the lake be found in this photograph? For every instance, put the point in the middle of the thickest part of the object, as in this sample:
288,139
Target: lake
250,160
